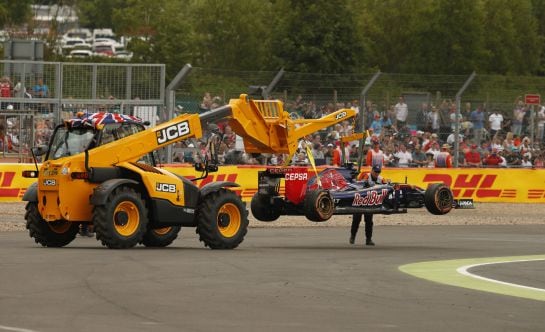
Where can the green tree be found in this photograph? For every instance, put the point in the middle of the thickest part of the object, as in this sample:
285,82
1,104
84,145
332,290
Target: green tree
96,14
452,42
316,36
160,30
538,10
527,38
14,12
393,32
512,42
232,34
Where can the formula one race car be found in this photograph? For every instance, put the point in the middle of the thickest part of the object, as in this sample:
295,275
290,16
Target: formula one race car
334,191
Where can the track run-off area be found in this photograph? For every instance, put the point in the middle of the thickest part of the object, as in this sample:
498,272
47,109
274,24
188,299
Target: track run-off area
471,270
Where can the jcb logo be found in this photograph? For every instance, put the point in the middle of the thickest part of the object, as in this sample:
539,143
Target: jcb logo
340,115
166,187
172,132
466,185
50,182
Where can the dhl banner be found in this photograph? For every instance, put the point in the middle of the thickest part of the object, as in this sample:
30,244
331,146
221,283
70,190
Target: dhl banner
481,184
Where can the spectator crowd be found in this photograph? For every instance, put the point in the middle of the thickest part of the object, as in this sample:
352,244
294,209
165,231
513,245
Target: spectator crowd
398,136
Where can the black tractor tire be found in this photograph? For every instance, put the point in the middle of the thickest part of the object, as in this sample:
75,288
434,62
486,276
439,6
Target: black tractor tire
49,234
222,220
161,237
318,205
438,199
262,209
122,222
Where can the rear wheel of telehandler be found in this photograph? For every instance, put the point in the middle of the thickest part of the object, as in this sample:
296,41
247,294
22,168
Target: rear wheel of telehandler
122,221
222,220
161,237
49,234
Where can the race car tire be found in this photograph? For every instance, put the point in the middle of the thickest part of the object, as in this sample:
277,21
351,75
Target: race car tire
438,199
161,237
262,209
318,205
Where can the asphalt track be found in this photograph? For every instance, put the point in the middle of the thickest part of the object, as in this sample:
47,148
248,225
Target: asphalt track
280,279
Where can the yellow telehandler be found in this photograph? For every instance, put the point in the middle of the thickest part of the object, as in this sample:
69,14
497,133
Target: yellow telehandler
100,169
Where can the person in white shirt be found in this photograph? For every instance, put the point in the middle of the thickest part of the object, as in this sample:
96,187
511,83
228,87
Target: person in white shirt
434,149
526,163
452,138
495,119
402,112
404,157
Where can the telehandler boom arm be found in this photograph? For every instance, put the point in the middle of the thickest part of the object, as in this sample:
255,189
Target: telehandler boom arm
263,124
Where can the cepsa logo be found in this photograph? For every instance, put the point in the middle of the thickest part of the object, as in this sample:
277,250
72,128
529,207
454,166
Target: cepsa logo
471,185
296,176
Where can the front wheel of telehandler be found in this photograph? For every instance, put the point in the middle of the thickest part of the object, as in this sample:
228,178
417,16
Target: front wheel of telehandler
122,221
222,220
161,237
49,234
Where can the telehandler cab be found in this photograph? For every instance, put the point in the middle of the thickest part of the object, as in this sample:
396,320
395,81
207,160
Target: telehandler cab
100,169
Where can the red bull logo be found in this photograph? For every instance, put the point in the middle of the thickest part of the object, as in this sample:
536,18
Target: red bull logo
372,198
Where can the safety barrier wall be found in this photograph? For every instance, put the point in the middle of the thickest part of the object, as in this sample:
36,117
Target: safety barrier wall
481,184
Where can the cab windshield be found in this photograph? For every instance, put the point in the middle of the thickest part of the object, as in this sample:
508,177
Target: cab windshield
69,142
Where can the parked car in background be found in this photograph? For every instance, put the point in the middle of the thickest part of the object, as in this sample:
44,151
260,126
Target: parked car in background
80,54
69,43
121,52
103,49
82,33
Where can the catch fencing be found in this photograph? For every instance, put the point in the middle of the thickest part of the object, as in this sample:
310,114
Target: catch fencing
455,107
48,92
441,104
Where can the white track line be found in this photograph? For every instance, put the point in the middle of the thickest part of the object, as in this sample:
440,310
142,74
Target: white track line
15,329
463,270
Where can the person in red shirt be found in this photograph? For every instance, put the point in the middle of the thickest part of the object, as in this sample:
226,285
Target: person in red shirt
473,157
5,87
5,91
493,159
375,156
337,153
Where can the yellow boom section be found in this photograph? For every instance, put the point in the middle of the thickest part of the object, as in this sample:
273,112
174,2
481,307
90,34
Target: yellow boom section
263,124
132,147
267,128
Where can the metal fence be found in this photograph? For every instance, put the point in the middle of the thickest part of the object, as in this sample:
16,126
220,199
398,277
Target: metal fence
48,92
457,108
444,105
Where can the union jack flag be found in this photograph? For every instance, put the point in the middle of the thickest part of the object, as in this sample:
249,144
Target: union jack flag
95,119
